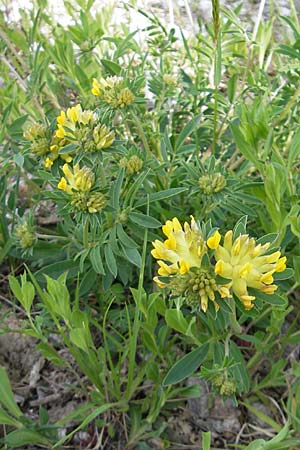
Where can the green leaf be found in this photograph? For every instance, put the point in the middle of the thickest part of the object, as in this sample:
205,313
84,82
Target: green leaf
176,320
240,227
273,299
15,287
23,436
112,67
7,396
5,419
87,282
162,195
57,268
110,260
244,147
132,255
187,130
68,149
186,365
86,421
144,221
231,90
285,275
50,354
124,238
96,260
115,191
19,159
271,237
294,149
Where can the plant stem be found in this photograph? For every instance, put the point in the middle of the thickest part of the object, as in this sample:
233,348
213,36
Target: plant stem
235,326
142,135
136,321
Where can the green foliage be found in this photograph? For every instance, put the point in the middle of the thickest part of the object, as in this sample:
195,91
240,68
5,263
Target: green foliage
203,124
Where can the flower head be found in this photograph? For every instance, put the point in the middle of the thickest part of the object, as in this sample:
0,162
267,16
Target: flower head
80,180
184,247
113,91
247,265
67,123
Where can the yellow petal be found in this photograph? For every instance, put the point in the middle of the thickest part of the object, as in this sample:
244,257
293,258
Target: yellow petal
236,247
184,267
273,257
219,267
159,283
62,184
267,278
214,241
280,265
176,225
270,289
245,270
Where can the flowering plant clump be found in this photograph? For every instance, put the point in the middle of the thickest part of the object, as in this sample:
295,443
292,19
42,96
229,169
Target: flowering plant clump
189,265
106,139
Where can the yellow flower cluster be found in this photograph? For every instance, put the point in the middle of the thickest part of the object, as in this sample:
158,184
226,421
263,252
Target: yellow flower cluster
66,122
245,263
42,144
82,126
78,184
113,92
242,262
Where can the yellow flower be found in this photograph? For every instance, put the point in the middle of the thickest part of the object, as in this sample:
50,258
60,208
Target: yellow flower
247,266
184,247
48,162
96,87
214,241
75,116
81,180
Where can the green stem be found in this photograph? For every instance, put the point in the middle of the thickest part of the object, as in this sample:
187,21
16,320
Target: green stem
141,134
136,321
234,325
85,236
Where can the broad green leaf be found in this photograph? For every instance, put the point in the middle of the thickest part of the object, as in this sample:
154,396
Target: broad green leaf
68,149
23,436
143,220
176,320
115,191
187,130
112,67
162,195
124,238
110,260
7,396
285,275
243,147
187,365
15,287
293,152
96,260
5,419
240,227
132,255
271,237
273,299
